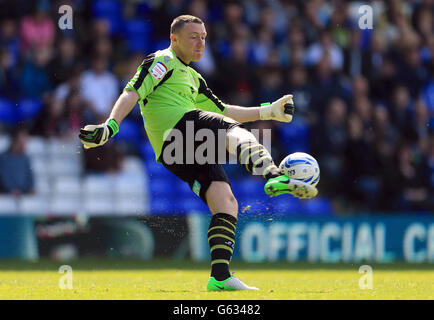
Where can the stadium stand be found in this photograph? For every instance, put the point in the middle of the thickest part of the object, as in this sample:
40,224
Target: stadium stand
274,48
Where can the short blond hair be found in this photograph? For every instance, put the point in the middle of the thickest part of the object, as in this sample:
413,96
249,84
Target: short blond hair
179,22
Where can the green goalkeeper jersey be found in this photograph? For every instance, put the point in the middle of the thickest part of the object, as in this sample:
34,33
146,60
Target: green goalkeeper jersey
168,88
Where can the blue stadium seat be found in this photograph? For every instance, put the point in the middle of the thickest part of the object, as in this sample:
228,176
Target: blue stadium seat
295,137
160,44
157,170
192,204
112,11
27,109
130,132
146,151
160,187
287,205
182,189
317,206
248,186
143,9
138,33
163,206
7,112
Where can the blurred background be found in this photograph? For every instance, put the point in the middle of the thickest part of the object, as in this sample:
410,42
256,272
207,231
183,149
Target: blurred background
364,109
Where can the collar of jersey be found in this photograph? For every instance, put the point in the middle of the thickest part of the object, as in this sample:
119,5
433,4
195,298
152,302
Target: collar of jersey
178,57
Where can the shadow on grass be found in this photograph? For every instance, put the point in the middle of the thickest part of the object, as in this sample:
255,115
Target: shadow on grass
89,264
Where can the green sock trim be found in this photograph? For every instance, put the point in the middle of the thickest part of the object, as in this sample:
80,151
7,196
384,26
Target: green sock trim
220,235
220,261
222,246
222,227
245,148
249,156
267,169
228,222
260,160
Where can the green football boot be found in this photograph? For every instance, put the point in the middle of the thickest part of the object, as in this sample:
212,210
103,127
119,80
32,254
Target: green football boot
282,184
230,284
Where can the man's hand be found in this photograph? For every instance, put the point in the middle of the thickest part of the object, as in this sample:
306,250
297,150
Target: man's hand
96,135
280,110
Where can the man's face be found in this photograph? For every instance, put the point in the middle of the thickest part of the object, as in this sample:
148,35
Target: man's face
190,41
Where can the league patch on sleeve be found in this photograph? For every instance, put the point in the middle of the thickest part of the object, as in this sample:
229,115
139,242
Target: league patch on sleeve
158,71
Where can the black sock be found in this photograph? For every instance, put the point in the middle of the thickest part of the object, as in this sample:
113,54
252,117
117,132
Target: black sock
257,160
221,239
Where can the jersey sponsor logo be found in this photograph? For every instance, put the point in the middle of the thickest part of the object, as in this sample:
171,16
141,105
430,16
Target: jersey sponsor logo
159,70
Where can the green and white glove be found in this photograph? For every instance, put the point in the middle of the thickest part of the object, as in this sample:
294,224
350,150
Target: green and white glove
280,110
96,135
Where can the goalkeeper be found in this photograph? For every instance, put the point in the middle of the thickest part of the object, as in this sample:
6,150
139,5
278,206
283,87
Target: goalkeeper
172,96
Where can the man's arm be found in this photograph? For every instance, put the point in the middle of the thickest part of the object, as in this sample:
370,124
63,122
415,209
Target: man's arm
138,88
96,135
280,110
242,114
123,106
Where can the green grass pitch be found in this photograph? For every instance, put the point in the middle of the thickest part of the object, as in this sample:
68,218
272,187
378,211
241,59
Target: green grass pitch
185,280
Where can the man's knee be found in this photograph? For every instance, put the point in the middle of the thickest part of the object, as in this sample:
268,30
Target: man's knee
221,199
236,136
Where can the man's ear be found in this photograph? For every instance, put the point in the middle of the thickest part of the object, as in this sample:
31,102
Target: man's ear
173,37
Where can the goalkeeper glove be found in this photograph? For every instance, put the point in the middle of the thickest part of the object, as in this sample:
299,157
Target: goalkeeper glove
280,110
96,135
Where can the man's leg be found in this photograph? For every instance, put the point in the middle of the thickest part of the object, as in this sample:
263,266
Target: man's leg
221,236
221,232
250,153
258,161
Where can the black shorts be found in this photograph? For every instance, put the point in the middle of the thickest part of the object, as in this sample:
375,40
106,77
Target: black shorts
196,173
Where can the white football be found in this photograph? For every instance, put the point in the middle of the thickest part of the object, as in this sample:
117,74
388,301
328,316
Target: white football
301,166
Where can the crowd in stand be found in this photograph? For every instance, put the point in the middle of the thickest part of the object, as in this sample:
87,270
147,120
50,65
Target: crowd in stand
364,97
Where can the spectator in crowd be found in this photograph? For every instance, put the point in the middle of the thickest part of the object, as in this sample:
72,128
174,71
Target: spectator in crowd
262,47
35,80
383,129
62,91
271,84
430,168
9,39
99,87
238,88
328,143
326,84
64,61
361,183
233,18
355,59
16,176
37,30
378,82
8,75
103,160
325,46
303,93
401,110
412,180
47,122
